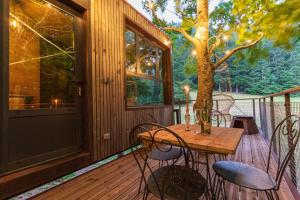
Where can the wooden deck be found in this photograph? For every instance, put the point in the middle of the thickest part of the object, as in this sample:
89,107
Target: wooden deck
119,179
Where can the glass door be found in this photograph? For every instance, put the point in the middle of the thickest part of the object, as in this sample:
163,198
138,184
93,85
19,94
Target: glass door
44,91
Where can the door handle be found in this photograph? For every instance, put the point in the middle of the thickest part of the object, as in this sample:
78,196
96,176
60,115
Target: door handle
79,91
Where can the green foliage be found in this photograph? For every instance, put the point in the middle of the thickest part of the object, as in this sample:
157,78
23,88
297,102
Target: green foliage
280,71
245,20
269,66
181,56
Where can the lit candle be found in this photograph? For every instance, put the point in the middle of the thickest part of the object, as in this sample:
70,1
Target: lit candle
56,102
186,89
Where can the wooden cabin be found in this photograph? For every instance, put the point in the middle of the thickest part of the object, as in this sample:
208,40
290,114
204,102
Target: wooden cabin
76,77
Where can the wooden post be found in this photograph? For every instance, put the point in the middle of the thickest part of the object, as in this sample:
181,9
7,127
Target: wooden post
272,115
288,113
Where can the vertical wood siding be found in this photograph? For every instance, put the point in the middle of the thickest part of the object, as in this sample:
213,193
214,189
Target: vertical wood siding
108,60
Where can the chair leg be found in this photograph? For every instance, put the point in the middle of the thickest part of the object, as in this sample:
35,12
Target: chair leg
224,191
276,194
141,181
208,175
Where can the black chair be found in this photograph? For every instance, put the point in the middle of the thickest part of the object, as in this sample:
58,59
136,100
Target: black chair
285,136
170,154
174,181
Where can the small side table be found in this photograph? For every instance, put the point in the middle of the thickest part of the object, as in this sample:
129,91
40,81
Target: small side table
246,122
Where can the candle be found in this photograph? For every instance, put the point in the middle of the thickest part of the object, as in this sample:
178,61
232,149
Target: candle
186,90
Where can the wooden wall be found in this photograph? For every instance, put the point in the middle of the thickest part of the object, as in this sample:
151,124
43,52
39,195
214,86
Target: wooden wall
108,59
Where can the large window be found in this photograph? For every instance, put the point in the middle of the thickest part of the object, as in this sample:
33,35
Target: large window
144,70
41,56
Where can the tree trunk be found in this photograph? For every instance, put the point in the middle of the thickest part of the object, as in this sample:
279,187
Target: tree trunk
205,67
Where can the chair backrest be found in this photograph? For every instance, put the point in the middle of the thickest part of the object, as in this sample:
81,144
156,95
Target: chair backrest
140,150
224,101
218,119
285,138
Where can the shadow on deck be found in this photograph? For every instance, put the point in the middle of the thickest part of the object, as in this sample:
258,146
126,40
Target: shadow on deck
119,179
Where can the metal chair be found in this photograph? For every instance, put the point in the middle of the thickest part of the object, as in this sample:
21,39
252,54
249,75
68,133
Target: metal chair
155,154
223,104
286,134
218,119
174,181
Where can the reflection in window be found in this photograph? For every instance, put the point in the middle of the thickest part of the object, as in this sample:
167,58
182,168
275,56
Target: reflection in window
143,92
41,56
144,63
147,58
130,51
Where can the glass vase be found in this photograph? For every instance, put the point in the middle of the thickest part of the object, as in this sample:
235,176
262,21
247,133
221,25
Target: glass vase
187,122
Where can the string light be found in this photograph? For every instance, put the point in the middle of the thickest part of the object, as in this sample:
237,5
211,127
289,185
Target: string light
248,41
167,42
227,52
194,52
150,5
14,23
225,38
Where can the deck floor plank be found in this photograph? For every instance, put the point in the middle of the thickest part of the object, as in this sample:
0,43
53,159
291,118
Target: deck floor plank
119,180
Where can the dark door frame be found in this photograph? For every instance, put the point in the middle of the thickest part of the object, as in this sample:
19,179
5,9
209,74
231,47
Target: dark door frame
4,21
82,78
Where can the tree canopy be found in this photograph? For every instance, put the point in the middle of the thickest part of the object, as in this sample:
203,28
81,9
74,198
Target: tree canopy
239,23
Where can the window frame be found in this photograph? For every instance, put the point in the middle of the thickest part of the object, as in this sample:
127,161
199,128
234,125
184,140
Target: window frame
166,60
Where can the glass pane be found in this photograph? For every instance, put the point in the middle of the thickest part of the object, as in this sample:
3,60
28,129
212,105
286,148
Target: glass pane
41,56
143,92
160,57
130,51
147,58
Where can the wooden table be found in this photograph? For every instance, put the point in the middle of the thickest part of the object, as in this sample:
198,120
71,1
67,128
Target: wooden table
220,141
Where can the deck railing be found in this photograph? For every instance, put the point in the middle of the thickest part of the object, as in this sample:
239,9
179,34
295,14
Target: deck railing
267,111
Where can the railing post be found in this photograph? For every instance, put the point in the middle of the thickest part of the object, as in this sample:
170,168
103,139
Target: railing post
288,113
260,115
253,106
265,120
272,114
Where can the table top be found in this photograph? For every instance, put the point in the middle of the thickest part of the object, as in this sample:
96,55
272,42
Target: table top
220,141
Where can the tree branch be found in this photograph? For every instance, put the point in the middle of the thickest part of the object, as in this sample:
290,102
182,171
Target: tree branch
215,44
233,51
183,32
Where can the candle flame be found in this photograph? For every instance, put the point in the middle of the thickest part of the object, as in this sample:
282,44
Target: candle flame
186,89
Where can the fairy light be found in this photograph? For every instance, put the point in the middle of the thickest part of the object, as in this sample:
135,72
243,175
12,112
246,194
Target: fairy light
248,41
227,52
194,52
167,42
150,5
225,38
14,23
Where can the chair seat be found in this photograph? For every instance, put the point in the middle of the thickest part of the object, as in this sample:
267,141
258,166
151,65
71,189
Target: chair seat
177,183
244,175
165,152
